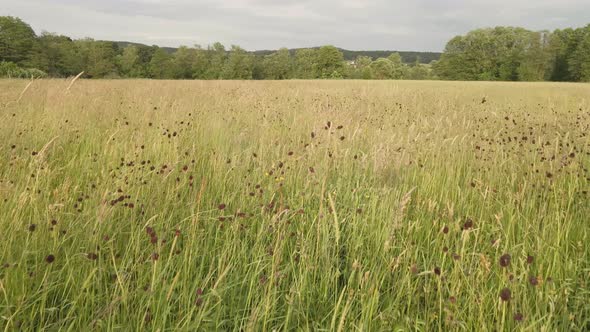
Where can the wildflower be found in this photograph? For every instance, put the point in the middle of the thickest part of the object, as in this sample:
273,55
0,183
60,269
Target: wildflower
505,260
468,224
505,294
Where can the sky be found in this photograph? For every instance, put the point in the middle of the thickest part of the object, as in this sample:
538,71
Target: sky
408,25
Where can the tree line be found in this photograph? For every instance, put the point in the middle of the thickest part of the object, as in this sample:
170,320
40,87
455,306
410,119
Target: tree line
24,54
517,54
501,53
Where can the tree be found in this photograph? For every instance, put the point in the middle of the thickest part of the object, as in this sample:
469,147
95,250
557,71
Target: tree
238,65
582,56
17,40
160,65
535,61
399,68
128,61
330,62
200,64
579,59
217,57
98,57
305,63
418,72
382,69
58,55
258,70
501,53
182,63
278,65
362,68
451,65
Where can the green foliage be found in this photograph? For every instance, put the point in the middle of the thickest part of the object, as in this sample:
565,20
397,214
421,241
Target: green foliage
12,70
382,69
579,61
17,40
200,63
362,68
329,62
99,57
278,65
305,63
419,72
584,59
515,54
495,54
238,65
217,58
399,68
129,62
536,61
161,65
60,55
182,63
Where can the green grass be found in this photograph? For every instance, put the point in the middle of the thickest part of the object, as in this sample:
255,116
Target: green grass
345,230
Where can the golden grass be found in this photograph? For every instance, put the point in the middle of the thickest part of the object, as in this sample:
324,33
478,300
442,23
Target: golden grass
295,205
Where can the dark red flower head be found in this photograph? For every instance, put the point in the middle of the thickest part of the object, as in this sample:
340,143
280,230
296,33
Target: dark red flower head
468,224
505,294
505,260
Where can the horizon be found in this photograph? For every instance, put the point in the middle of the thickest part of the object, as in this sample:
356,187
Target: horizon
259,25
267,50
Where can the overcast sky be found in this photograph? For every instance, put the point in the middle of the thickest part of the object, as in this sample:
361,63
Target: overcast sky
417,25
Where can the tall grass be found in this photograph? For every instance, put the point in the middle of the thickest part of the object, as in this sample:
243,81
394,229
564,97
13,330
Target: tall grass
301,205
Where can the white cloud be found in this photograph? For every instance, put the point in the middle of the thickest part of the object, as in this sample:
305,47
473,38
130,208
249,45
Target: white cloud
268,24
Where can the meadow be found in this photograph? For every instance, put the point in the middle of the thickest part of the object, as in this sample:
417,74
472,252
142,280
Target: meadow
131,205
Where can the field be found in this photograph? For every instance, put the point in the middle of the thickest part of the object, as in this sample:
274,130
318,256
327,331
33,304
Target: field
296,205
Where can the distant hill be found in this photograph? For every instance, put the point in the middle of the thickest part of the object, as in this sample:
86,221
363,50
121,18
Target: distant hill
123,44
407,56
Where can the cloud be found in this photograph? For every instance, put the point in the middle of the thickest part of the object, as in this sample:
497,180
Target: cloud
423,25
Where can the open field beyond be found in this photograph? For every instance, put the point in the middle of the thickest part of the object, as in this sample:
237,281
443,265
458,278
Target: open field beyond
295,205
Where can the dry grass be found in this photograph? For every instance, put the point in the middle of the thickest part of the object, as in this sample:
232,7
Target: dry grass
297,205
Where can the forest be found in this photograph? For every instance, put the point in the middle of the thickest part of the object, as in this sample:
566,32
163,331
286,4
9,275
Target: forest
488,54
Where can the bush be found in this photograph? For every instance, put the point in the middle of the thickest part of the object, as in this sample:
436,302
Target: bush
12,70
